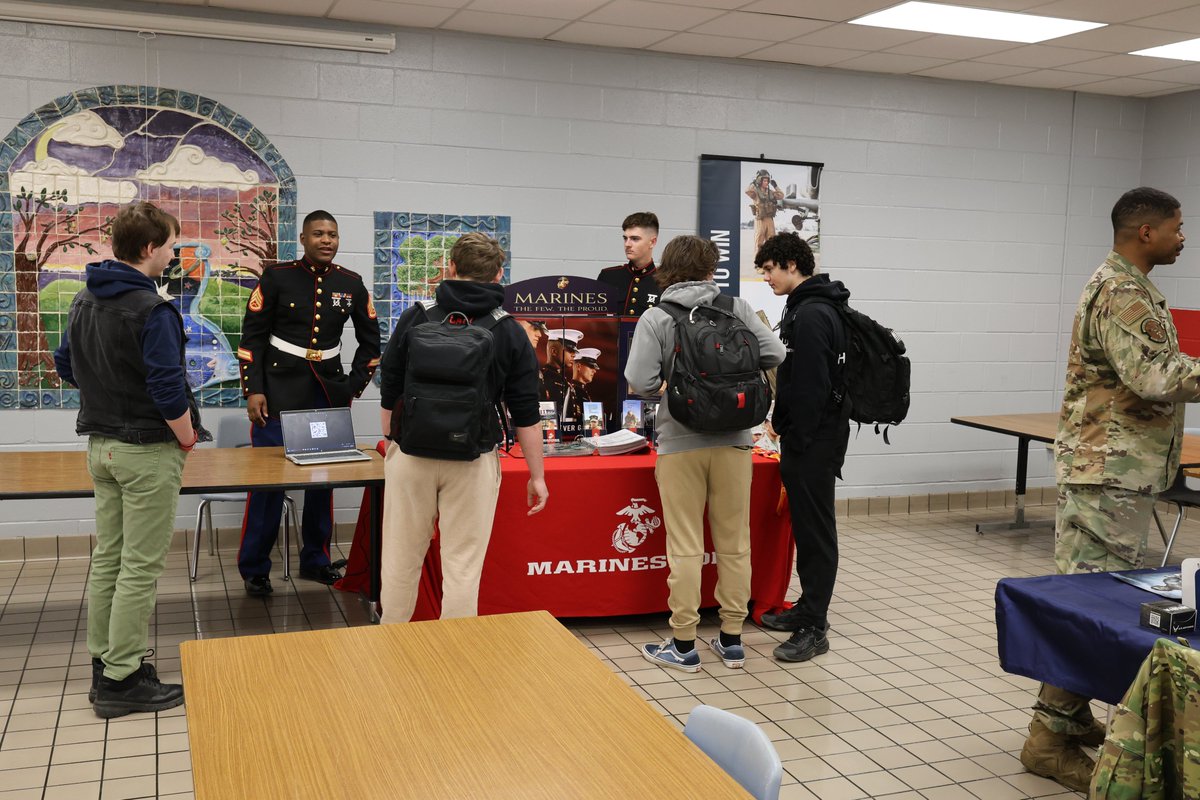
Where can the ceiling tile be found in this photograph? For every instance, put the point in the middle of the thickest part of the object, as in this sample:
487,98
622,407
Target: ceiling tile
1124,65
1117,39
1108,10
1041,56
609,35
1185,19
382,13
766,27
699,45
953,47
722,4
859,37
503,24
300,8
1045,79
972,71
663,16
553,9
832,10
1183,72
890,62
791,53
1127,86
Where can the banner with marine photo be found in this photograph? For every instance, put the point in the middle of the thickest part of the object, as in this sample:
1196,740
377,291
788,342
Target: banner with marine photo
744,202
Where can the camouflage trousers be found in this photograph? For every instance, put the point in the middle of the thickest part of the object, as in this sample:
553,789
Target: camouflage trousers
1096,529
1100,528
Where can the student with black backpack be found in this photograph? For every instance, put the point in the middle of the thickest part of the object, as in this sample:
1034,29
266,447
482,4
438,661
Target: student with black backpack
812,419
710,348
448,364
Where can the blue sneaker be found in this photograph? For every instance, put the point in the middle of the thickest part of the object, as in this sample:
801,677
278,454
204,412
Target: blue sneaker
733,656
665,655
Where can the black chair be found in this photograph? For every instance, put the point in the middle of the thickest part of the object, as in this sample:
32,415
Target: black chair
1183,497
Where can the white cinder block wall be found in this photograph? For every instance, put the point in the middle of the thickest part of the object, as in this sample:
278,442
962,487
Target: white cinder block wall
961,214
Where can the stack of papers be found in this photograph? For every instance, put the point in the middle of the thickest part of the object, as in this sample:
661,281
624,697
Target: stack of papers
614,444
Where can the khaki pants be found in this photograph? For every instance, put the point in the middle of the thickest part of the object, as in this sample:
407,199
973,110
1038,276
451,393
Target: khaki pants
720,478
137,492
1096,529
460,497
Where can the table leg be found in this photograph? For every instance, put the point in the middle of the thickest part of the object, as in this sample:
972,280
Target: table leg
374,552
1019,522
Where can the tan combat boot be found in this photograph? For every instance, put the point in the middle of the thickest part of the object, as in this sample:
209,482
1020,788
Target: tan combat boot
1056,756
1095,736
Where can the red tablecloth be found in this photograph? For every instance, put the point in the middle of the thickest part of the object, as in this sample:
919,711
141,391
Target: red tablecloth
583,557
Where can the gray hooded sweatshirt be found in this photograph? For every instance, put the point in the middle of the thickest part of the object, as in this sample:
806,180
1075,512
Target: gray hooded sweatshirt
653,351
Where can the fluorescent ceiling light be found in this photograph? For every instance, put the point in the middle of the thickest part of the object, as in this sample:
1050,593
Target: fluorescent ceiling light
1184,51
197,24
978,23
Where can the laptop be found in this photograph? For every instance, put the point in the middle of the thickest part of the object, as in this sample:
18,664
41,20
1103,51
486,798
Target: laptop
319,436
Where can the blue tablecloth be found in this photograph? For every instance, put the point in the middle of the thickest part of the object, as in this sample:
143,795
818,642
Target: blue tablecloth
1078,632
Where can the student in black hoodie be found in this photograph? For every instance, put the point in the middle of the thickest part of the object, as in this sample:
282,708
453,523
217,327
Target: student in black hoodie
459,495
812,420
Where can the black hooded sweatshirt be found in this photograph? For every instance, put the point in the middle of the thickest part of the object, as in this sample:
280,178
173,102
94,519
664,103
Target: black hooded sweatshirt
805,406
516,365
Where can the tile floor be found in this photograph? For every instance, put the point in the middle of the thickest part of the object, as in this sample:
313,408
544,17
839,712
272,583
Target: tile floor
908,703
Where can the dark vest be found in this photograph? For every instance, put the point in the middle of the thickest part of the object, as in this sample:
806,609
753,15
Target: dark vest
106,359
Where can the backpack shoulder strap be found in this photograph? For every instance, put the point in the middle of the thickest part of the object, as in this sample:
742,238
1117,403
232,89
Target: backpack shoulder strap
431,310
491,320
724,302
676,310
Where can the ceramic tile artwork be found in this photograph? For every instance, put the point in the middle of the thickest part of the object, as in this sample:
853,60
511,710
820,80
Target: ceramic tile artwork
68,168
412,252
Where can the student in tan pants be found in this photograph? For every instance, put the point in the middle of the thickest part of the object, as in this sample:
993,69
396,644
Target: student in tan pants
425,485
698,469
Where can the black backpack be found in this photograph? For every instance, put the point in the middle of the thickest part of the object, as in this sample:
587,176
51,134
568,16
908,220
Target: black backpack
875,377
716,384
448,406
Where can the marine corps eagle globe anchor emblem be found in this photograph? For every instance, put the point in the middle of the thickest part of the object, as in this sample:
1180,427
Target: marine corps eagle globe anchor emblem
643,521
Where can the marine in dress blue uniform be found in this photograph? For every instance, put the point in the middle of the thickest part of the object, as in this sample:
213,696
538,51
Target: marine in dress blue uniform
290,358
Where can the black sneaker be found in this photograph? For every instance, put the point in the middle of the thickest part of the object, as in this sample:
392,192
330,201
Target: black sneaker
258,586
787,620
141,691
803,645
326,574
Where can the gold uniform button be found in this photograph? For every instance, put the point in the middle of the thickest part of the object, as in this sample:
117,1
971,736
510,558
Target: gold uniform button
314,341
318,291
291,305
636,280
317,317
318,304
635,290
316,329
320,279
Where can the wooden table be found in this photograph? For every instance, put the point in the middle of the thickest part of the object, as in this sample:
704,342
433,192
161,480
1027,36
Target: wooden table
48,475
1042,427
503,706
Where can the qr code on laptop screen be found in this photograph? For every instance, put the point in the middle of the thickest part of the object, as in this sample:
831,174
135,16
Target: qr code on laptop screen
318,430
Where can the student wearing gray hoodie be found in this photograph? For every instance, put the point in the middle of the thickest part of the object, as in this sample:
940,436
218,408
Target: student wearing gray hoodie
695,468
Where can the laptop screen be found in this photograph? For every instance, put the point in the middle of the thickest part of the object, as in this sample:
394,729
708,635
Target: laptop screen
319,430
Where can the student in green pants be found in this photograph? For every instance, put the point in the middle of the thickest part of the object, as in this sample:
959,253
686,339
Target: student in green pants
124,349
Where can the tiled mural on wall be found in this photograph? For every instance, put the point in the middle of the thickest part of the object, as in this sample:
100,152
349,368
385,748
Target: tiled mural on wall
65,171
412,252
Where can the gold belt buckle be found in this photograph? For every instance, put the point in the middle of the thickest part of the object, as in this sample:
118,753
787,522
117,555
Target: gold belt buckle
313,354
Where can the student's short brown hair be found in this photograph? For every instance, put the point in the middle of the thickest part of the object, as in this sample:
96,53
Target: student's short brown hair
477,257
138,225
641,219
686,258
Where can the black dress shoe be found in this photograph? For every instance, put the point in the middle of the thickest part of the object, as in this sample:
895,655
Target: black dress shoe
326,574
258,586
141,691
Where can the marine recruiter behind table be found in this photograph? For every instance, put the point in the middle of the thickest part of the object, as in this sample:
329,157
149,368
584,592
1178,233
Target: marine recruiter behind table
290,354
634,280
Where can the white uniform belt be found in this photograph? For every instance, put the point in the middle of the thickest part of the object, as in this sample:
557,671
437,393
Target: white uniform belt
311,353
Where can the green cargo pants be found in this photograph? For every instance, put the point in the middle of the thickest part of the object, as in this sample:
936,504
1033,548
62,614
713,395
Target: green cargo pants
137,492
1096,529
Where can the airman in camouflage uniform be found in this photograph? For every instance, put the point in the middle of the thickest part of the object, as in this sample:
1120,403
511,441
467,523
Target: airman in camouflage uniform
1152,749
1118,444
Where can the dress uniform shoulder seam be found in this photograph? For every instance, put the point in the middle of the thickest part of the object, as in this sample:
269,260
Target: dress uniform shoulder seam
340,268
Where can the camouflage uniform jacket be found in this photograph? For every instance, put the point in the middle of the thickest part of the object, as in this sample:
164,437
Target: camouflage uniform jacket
1153,744
1122,420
